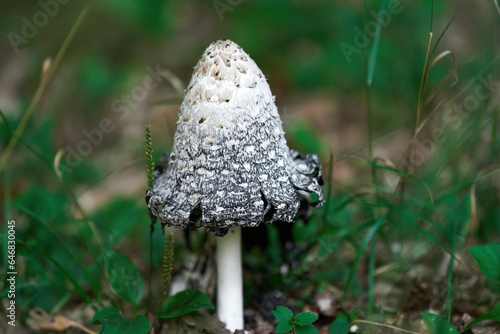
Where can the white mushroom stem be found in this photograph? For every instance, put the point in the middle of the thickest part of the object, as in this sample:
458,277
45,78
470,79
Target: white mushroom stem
230,280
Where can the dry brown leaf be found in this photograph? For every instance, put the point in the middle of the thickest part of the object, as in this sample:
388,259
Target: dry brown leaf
39,320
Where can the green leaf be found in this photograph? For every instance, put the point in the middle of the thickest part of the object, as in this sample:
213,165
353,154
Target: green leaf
340,325
283,314
309,329
113,322
124,278
437,325
488,260
284,327
305,318
184,302
493,314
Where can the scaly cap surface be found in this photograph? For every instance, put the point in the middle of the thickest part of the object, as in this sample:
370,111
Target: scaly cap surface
230,164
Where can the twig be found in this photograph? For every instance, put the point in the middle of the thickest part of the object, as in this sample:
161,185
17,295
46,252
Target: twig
384,325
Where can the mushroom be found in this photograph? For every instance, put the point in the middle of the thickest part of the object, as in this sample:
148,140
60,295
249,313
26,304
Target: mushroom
230,166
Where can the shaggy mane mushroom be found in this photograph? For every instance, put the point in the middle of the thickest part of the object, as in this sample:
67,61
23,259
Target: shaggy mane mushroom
230,165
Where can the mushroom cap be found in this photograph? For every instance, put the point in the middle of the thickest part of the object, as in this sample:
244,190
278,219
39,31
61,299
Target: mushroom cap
230,164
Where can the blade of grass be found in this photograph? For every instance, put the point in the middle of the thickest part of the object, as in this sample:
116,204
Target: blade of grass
497,6
413,141
75,257
372,56
494,134
453,74
41,88
382,167
85,296
459,185
423,83
421,91
361,147
371,277
443,32
326,210
370,62
368,237
432,14
449,296
6,122
67,296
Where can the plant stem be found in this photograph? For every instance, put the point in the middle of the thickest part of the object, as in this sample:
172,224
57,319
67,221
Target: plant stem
150,273
449,294
230,280
157,312
383,325
421,91
41,88
371,278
